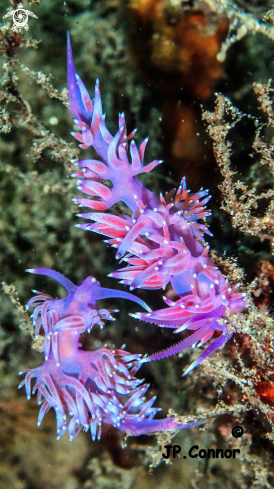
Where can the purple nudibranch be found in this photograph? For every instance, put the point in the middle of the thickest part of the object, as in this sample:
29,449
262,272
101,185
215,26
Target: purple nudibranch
161,239
87,388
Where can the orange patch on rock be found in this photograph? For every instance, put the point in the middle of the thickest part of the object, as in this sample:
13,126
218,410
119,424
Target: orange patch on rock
176,53
181,51
265,391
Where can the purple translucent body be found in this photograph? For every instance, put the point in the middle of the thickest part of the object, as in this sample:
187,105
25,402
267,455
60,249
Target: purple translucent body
162,243
87,388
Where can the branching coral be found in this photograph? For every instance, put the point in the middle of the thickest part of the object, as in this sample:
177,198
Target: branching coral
243,204
251,211
241,23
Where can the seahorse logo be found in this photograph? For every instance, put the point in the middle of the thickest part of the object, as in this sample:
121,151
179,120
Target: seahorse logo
20,17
